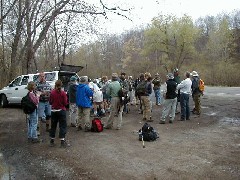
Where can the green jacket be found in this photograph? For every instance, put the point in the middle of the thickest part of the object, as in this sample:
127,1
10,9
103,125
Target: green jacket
113,89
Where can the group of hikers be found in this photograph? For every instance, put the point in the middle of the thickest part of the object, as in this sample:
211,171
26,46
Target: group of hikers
109,98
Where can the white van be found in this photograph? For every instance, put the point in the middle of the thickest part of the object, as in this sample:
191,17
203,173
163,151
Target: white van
17,89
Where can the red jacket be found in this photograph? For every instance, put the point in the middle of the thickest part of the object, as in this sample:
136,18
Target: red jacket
58,99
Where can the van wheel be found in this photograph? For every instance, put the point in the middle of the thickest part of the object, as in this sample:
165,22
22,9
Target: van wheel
3,101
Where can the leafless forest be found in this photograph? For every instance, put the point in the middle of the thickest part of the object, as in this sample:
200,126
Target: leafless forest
40,35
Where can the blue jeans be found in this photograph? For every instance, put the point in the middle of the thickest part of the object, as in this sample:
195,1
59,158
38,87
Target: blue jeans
58,117
184,102
32,124
158,96
44,110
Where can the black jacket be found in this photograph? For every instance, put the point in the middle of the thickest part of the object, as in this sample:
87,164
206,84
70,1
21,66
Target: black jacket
171,89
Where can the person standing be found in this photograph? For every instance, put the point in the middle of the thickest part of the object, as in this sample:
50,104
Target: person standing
196,93
116,107
177,80
156,87
58,100
185,91
143,90
84,103
44,108
73,109
33,117
125,87
170,101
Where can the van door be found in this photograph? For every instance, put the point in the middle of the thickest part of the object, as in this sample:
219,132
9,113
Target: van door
17,89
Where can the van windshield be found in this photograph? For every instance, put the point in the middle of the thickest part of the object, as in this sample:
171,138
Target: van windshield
48,76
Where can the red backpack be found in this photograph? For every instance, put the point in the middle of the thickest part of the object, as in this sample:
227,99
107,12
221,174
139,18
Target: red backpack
97,125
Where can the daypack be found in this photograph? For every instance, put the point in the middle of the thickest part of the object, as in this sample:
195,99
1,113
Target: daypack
201,85
148,133
27,105
97,125
141,88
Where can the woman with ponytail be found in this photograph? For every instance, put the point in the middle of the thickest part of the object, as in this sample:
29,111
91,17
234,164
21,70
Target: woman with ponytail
58,100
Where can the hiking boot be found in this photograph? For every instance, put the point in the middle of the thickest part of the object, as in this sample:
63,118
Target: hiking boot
79,128
52,143
162,122
72,125
35,140
107,127
87,129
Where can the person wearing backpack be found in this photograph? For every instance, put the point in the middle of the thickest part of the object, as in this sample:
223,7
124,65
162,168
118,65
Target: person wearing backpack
196,93
113,90
33,117
58,100
73,109
125,87
143,90
157,84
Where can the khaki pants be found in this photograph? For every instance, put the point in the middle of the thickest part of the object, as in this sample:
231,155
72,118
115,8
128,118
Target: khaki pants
84,118
197,103
146,107
115,104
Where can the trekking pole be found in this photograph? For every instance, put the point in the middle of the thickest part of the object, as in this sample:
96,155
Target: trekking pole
143,141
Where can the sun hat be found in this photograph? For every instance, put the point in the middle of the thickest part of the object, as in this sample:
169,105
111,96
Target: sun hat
194,73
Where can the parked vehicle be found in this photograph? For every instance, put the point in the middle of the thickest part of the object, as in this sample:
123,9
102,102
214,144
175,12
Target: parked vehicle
17,89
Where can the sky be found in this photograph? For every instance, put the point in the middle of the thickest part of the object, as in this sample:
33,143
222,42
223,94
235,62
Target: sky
144,10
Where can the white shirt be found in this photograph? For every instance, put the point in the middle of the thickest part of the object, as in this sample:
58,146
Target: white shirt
185,86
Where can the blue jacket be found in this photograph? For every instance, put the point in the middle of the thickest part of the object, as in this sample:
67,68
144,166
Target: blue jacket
84,94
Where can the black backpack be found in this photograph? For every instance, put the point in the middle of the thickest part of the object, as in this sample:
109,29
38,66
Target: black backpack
148,133
27,105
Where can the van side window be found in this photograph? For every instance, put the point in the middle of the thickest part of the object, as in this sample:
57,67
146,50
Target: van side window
50,76
36,78
25,80
16,82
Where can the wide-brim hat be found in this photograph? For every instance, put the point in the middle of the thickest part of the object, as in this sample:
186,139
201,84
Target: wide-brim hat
194,73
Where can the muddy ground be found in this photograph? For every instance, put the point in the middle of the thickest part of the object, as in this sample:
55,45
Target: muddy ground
207,147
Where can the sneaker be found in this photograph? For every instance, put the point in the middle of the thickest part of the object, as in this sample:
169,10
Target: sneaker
170,121
52,143
162,122
63,144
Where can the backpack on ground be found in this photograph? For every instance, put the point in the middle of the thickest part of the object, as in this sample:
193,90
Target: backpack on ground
97,125
148,133
27,105
201,85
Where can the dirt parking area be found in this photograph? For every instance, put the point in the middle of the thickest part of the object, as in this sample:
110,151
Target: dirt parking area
207,147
